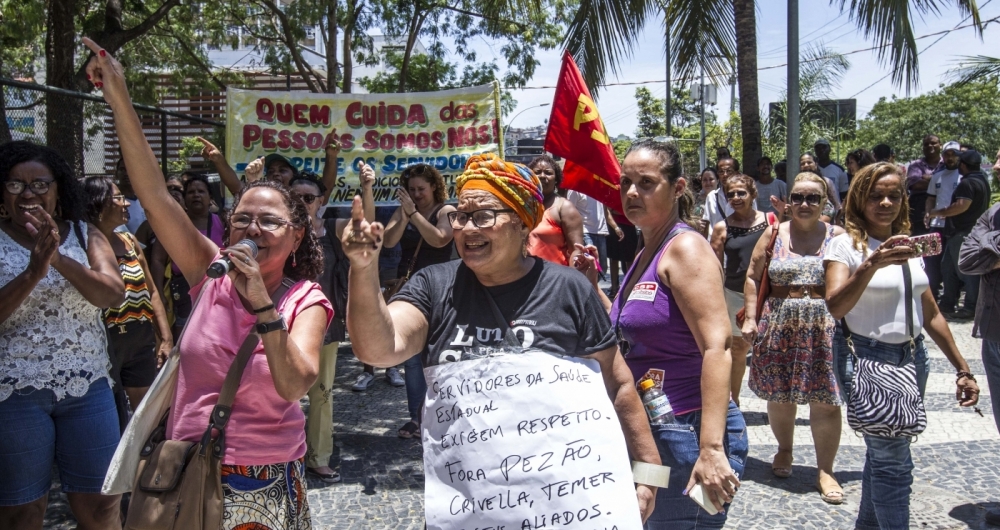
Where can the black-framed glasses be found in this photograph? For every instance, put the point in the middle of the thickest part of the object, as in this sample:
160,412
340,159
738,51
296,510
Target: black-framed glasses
484,218
38,187
307,198
743,194
118,198
267,222
812,199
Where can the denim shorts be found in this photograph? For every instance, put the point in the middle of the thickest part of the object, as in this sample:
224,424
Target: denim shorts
679,448
79,434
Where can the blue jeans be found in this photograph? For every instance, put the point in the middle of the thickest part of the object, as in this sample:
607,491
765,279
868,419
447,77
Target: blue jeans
888,473
416,386
601,242
679,449
991,364
80,434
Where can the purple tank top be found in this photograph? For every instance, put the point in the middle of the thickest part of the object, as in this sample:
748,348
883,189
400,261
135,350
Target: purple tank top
662,345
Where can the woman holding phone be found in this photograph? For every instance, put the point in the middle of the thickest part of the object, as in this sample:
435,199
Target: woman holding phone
866,283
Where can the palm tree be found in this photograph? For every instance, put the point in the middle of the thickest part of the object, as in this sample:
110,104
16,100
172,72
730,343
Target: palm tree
721,34
977,68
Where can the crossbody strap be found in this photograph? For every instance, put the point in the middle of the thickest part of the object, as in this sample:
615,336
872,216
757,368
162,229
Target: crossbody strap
413,260
908,298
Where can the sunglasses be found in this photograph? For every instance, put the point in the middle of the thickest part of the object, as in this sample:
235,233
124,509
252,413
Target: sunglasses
738,193
308,198
813,199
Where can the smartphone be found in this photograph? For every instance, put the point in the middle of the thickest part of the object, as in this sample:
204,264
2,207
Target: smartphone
700,496
923,245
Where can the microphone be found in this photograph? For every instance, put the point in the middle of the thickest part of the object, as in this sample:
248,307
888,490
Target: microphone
221,266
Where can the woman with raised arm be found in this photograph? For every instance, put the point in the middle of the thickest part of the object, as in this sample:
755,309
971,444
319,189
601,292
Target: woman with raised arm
56,406
869,272
499,203
420,225
271,292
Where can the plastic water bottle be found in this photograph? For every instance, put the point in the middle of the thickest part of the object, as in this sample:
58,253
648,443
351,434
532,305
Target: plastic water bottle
656,403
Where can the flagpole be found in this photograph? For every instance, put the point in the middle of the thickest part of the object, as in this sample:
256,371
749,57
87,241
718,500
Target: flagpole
507,129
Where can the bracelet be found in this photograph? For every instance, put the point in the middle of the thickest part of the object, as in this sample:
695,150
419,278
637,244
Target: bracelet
967,375
264,309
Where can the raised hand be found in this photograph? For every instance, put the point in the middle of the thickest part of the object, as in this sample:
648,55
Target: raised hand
106,73
362,240
406,202
367,177
246,275
254,170
585,261
210,152
893,251
332,145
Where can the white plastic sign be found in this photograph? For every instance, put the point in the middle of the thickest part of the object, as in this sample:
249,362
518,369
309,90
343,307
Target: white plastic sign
524,441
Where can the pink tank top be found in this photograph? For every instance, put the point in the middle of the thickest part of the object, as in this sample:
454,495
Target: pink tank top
264,428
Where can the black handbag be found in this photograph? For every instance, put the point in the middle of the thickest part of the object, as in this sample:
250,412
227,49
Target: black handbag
885,398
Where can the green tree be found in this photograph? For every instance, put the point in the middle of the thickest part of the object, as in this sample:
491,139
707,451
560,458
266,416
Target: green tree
968,113
720,36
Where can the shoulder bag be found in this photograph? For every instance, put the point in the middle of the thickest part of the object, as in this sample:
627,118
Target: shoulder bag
885,398
764,289
178,484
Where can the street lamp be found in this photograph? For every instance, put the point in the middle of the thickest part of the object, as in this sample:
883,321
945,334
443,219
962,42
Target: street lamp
507,129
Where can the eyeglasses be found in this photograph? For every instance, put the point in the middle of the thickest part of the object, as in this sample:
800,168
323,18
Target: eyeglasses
178,189
118,198
738,193
813,199
416,171
308,198
480,218
38,187
268,223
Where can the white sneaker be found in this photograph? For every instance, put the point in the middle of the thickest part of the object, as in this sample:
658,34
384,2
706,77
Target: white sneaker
363,381
394,377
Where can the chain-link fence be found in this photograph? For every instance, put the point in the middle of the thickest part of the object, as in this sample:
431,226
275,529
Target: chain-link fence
23,116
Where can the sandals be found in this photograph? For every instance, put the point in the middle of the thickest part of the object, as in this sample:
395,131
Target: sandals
410,430
782,471
835,495
330,478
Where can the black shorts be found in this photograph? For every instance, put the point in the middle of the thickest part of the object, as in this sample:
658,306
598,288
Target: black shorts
623,250
132,348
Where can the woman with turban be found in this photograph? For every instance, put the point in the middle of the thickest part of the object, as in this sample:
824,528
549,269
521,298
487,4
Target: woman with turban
499,203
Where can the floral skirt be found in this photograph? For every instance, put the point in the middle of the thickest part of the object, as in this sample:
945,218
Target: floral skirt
271,497
793,355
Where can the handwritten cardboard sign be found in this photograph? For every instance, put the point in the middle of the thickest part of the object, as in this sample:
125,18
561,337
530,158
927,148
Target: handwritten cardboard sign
524,441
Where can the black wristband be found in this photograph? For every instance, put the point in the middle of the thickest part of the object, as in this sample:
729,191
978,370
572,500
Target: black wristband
266,308
966,375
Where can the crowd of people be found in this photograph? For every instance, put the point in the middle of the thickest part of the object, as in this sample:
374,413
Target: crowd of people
102,279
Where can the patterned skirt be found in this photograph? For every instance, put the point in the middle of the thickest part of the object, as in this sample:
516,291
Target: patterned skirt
271,497
793,355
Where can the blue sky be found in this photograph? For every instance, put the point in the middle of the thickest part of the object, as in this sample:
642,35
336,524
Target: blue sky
819,22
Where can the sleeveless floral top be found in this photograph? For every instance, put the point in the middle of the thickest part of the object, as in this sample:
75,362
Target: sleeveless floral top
55,339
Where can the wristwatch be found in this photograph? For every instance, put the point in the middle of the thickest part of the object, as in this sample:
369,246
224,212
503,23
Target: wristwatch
272,326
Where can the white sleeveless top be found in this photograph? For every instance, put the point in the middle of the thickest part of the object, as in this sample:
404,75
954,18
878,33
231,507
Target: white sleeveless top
54,340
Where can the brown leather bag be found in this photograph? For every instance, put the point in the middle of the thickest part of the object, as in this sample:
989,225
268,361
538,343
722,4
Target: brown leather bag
391,287
178,484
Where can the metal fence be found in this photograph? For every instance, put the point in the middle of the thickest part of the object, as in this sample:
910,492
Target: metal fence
23,109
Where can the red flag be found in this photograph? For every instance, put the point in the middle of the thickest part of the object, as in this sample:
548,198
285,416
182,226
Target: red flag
576,133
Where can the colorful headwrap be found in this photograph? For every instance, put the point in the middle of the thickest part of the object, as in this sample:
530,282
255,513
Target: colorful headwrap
514,184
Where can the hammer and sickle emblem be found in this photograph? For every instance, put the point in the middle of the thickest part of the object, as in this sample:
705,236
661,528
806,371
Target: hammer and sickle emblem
586,111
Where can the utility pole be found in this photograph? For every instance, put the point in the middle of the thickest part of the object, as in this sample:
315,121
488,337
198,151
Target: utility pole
667,40
792,118
701,151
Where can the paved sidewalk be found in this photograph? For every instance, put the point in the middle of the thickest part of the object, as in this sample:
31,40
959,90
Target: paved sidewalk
954,478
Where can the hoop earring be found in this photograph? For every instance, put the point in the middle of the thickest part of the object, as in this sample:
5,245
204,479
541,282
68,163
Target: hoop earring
4,214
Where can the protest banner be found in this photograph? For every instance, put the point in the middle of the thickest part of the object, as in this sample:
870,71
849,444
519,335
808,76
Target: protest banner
387,131
524,441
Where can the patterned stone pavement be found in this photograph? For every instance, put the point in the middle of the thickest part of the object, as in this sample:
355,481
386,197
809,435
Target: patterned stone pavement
954,479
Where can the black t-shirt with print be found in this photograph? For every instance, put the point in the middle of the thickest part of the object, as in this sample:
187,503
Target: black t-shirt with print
552,308
974,188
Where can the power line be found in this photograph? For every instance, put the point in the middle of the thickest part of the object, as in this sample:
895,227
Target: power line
772,67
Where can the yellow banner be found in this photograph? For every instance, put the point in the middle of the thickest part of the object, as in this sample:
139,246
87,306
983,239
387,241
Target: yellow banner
387,131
